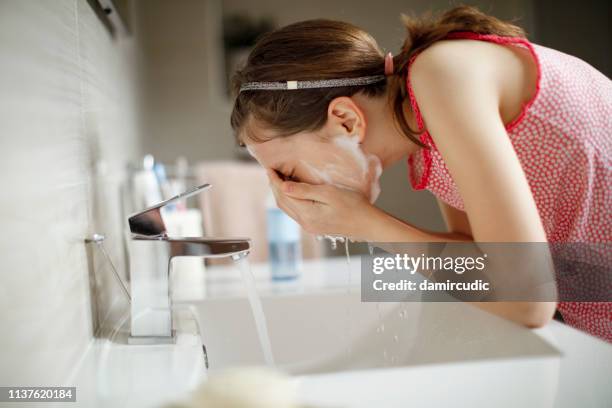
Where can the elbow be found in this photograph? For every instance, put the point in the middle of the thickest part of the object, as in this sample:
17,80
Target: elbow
538,314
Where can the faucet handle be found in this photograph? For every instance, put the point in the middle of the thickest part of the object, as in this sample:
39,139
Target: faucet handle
149,222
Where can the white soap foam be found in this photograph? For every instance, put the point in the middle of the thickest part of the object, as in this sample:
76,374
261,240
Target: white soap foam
370,168
333,239
322,176
375,186
251,152
351,144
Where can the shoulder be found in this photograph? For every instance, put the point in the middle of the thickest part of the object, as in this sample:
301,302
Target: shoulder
454,64
458,78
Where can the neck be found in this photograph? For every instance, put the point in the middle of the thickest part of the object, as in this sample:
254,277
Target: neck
386,140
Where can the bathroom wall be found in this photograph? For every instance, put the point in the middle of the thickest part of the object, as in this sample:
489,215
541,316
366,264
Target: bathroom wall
67,127
186,110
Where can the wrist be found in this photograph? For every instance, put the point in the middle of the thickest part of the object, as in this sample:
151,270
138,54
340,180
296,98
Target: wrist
375,222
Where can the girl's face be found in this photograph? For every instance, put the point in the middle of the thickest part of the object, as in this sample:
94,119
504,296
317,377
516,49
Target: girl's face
321,157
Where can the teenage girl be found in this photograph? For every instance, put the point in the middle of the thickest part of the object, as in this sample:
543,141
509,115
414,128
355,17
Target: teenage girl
514,139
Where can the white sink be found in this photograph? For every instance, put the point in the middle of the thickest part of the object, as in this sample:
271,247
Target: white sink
323,332
446,353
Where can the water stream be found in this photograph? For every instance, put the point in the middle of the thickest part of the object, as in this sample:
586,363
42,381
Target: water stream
260,318
257,309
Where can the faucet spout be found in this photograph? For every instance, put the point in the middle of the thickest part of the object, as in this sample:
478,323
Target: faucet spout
205,247
151,251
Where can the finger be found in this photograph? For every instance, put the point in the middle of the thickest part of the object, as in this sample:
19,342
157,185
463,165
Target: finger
309,212
302,211
275,183
283,204
272,174
301,206
275,180
305,191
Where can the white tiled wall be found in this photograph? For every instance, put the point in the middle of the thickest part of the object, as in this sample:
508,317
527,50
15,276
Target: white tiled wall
67,104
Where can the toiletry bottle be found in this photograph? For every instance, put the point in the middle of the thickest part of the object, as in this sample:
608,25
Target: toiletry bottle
284,243
146,187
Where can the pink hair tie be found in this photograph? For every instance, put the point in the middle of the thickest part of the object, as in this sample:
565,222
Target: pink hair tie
389,64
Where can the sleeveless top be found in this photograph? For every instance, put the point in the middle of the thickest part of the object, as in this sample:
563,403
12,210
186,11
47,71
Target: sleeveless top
563,140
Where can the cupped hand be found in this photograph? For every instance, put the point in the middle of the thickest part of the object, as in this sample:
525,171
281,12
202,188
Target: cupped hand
323,209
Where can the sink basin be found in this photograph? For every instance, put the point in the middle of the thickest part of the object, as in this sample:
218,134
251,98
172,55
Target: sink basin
446,353
331,331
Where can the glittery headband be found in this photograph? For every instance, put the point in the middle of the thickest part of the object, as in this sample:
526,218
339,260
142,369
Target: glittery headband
322,83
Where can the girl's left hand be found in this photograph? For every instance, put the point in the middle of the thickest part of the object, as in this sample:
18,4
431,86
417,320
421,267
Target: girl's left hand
323,209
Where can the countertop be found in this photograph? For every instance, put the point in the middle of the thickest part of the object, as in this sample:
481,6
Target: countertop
116,374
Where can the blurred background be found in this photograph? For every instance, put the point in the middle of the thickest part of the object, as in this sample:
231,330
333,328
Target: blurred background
190,48
89,87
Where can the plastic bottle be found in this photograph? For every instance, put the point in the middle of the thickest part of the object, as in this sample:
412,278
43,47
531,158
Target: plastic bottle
284,243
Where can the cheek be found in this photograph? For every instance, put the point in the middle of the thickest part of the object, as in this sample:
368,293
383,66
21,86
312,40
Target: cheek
339,173
350,169
313,173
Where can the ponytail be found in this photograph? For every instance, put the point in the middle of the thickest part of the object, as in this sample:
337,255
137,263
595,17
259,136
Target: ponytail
426,30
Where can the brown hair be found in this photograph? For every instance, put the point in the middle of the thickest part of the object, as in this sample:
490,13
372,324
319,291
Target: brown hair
326,49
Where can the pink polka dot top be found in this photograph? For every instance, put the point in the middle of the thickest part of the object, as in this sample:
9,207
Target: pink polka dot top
563,140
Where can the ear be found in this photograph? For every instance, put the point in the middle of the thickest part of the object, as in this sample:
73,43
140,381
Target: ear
345,117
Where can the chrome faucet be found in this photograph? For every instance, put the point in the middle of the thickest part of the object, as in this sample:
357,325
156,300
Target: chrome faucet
151,251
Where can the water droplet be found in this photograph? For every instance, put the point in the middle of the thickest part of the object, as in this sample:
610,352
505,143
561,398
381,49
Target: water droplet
385,354
396,338
382,328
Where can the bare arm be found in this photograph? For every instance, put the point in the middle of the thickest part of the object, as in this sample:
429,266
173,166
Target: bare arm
456,220
460,105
